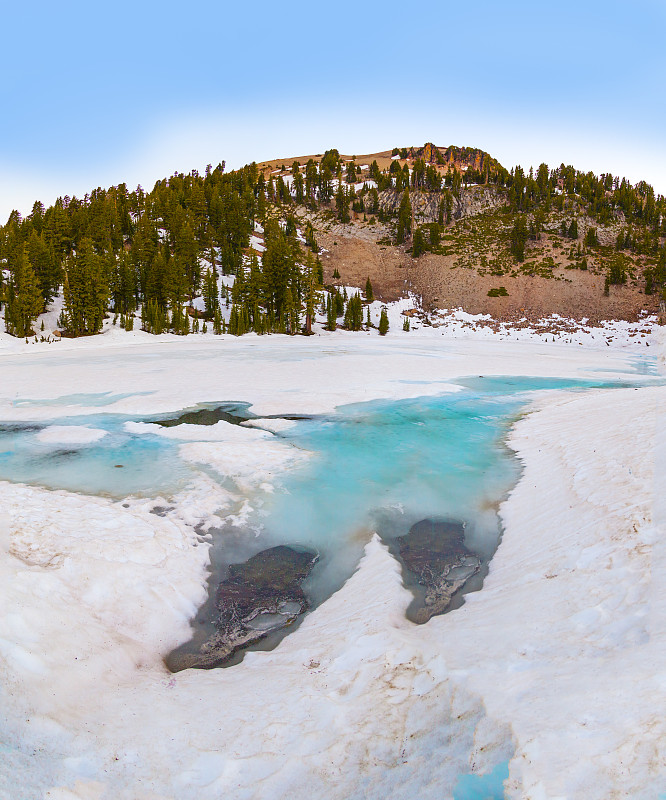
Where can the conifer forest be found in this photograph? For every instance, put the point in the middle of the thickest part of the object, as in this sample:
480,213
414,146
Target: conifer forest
245,242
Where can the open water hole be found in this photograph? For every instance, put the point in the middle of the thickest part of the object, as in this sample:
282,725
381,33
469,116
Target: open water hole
117,465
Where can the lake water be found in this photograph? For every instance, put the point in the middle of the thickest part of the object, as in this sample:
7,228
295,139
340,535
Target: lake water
117,465
383,466
482,787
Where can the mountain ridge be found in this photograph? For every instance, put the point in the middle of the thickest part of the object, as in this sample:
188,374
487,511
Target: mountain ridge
452,225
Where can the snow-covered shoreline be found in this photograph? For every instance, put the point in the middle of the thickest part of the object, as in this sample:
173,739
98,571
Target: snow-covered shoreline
357,702
583,554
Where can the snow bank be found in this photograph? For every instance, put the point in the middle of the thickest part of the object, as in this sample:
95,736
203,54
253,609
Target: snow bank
249,463
70,434
272,425
577,584
249,456
257,243
220,432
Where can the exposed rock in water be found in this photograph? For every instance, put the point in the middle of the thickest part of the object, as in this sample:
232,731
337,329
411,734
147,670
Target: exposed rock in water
435,553
258,597
234,413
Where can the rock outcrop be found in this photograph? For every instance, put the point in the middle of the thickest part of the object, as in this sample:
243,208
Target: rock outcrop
259,596
425,205
435,553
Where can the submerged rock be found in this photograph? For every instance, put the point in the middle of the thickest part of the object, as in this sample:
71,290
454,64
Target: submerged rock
258,597
435,553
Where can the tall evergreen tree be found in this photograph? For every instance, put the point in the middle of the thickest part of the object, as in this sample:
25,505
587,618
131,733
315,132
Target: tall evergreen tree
418,243
383,323
86,291
518,237
210,293
310,276
331,318
122,285
45,265
342,204
404,218
279,268
354,313
24,298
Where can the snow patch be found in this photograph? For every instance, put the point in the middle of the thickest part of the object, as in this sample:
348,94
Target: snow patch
70,434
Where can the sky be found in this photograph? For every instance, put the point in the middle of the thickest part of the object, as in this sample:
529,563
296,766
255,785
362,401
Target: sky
95,94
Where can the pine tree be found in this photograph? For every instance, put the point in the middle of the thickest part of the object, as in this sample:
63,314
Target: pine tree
180,323
233,320
418,243
448,206
342,204
518,238
383,322
353,320
210,295
351,172
122,285
24,299
153,317
279,269
176,286
293,318
156,276
591,239
404,218
187,251
369,295
45,266
86,291
310,278
217,321
331,318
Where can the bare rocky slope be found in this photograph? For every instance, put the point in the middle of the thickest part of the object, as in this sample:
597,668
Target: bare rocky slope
472,268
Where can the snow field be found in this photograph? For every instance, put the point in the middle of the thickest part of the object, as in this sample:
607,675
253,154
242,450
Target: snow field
554,664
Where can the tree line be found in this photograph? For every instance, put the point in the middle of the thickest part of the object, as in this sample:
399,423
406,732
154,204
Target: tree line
149,254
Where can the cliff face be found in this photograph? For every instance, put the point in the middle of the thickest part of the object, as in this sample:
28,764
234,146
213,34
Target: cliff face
472,200
460,158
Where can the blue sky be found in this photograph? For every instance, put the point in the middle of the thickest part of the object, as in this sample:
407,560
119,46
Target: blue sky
96,94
